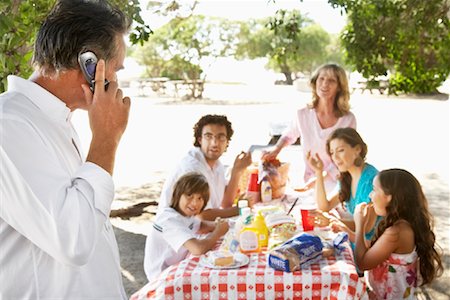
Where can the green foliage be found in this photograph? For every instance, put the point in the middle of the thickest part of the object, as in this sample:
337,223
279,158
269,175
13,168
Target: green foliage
20,21
289,40
140,31
407,38
178,48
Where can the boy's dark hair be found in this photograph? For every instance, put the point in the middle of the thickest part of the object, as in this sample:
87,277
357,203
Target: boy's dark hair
76,26
188,184
211,119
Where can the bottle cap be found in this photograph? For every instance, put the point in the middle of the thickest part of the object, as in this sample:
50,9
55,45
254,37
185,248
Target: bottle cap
242,203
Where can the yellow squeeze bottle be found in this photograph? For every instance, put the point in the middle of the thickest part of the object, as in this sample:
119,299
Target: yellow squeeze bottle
263,233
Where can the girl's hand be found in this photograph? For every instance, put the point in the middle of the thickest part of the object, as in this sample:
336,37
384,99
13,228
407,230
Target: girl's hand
339,226
315,162
321,219
361,215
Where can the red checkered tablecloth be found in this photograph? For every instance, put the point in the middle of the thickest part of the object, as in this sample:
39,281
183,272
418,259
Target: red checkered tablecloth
334,277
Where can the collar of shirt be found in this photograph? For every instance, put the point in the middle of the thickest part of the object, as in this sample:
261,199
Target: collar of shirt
198,154
48,103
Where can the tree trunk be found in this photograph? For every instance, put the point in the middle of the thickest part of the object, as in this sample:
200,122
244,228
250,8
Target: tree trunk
288,76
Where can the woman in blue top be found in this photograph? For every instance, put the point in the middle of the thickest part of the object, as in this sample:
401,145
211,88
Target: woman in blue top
348,152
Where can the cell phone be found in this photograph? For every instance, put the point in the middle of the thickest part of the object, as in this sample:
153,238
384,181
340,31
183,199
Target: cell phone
88,63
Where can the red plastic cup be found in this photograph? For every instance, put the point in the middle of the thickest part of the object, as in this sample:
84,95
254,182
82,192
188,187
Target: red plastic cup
307,221
253,185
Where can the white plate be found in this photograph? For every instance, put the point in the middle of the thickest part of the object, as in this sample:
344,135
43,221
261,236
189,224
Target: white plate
239,261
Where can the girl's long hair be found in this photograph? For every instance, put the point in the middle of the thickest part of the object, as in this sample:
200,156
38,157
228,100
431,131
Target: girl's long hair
349,136
410,204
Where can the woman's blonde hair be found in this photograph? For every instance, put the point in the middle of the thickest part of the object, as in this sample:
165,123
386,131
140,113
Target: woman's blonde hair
341,102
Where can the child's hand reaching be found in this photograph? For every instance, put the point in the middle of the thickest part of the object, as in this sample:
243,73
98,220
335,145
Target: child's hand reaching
221,226
338,226
321,219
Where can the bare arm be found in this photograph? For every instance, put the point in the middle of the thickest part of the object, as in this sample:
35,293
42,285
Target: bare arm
201,246
272,154
368,258
212,213
206,227
241,162
349,226
320,193
108,116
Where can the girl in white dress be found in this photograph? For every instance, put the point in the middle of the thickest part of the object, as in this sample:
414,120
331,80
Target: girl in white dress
402,254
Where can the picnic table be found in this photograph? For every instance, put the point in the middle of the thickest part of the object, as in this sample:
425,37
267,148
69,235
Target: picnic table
332,277
380,85
157,84
194,87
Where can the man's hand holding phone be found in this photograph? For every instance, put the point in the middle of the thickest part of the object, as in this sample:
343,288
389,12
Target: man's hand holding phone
108,117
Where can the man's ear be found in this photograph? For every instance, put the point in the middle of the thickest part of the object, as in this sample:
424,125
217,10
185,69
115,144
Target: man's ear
226,147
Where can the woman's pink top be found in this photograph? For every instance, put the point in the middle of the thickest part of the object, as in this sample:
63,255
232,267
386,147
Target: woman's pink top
313,137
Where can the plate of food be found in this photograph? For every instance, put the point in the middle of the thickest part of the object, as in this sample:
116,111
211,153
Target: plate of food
223,260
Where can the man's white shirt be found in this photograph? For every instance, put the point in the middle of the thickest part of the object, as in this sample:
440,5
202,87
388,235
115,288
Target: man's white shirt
195,161
56,242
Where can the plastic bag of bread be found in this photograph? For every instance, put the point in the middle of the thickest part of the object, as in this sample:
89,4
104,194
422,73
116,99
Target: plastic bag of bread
298,251
277,174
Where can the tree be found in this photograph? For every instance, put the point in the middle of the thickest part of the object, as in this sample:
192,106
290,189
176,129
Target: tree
20,21
289,41
407,38
179,48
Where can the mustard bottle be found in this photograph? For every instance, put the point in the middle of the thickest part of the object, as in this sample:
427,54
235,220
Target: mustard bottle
263,232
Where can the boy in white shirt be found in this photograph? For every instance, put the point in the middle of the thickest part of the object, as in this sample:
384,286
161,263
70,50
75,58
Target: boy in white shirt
175,230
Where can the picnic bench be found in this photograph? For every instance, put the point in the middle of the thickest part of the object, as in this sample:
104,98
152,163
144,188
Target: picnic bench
193,88
157,84
380,85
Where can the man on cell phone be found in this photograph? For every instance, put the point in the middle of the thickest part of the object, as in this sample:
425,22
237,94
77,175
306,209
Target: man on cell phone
58,243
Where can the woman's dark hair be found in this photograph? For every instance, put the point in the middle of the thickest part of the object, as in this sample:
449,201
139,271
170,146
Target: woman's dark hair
349,136
76,26
188,184
211,119
341,102
409,203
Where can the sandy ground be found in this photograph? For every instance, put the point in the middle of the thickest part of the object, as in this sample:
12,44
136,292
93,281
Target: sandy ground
406,132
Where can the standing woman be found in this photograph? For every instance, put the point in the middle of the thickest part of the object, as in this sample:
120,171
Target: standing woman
329,110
